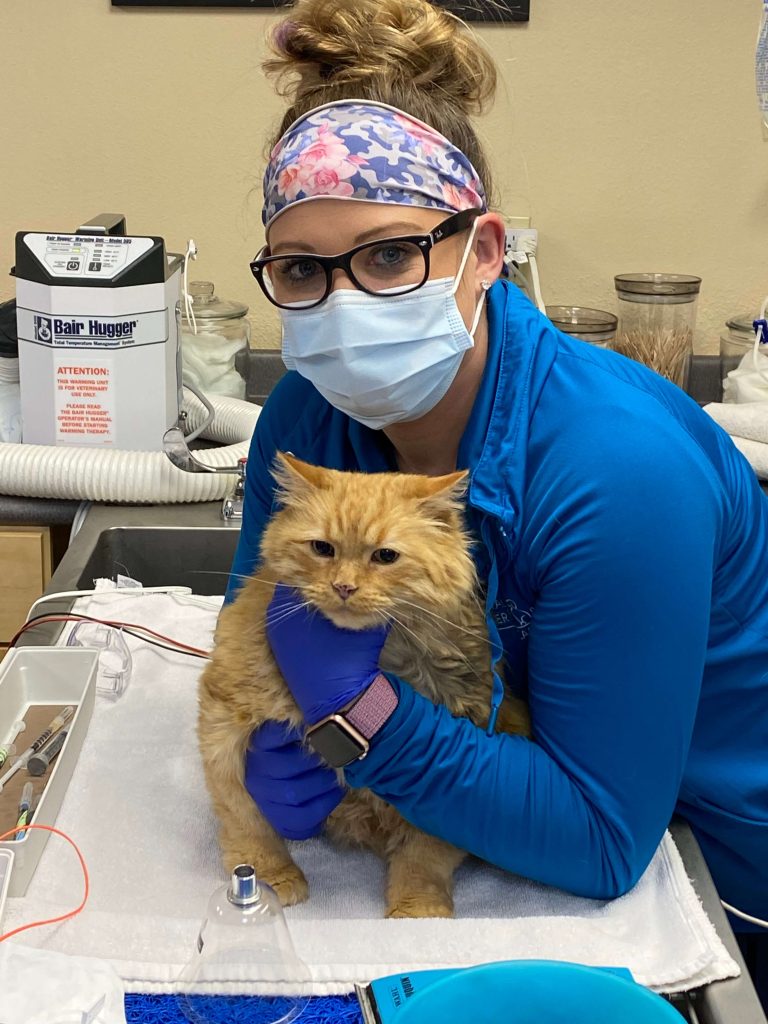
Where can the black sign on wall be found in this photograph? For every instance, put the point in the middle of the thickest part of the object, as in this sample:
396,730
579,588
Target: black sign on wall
470,10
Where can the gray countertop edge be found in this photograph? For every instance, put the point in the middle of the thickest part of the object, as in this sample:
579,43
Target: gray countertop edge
733,1001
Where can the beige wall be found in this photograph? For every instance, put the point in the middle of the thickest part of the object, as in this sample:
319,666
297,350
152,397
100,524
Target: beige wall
628,130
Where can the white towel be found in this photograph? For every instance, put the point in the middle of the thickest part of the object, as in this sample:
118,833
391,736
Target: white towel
747,423
138,808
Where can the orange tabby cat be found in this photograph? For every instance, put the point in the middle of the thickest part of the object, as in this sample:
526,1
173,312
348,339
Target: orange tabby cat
438,643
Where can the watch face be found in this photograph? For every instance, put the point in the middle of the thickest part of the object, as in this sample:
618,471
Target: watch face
335,744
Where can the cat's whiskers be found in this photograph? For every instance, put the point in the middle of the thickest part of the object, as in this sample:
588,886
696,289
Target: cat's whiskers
446,639
260,579
281,614
236,576
480,605
441,618
397,622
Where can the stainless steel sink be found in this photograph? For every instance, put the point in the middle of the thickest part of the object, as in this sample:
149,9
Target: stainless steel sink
167,545
195,557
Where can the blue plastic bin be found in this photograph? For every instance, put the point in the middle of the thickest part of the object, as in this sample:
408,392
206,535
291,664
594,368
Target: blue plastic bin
536,992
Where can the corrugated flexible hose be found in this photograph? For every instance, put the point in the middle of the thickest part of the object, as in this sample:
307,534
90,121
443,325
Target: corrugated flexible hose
93,474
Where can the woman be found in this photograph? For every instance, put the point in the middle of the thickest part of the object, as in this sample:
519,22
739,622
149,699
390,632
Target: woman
623,537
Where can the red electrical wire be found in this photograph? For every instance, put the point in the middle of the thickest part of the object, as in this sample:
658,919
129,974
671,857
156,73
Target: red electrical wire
74,617
62,917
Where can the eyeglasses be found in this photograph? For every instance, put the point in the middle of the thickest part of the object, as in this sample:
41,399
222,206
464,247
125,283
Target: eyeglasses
392,265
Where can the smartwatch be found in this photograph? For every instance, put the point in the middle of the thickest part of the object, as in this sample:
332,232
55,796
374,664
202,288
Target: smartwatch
344,736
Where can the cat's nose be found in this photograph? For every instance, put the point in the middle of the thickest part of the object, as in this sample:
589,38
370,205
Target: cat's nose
344,590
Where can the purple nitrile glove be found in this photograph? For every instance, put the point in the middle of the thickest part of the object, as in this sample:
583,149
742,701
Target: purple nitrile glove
289,784
324,666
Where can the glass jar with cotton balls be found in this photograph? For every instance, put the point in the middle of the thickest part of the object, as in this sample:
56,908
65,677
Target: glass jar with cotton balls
215,334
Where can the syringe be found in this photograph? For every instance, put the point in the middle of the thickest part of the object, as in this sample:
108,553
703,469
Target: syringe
9,747
41,740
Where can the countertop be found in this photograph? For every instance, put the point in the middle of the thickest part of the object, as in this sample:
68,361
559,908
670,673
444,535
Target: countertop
727,1002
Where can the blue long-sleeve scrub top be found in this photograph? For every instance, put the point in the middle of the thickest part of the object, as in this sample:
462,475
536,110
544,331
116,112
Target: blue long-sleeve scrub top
630,539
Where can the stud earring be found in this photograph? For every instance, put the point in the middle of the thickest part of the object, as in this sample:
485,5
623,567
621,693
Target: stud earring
485,284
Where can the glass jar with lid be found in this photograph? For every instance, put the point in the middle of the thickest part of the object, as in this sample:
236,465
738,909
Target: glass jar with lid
657,316
743,364
214,350
593,325
737,339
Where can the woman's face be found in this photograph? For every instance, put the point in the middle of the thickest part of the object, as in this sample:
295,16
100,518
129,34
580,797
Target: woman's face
331,226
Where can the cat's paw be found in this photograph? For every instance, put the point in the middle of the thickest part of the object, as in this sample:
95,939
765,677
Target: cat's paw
289,883
420,905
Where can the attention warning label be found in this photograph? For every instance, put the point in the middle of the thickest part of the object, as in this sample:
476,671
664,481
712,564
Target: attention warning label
85,401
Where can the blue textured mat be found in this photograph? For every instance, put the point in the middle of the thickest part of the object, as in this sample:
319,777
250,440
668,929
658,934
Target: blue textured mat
140,1009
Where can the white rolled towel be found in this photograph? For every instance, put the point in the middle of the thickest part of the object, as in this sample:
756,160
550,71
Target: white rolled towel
747,423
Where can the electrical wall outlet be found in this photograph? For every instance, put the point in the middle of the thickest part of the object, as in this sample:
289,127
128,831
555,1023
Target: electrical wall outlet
519,243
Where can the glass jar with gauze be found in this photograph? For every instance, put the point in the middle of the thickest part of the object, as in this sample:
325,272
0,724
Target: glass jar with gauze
214,342
744,361
657,316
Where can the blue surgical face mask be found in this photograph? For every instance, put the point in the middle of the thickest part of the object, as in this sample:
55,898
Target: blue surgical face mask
382,359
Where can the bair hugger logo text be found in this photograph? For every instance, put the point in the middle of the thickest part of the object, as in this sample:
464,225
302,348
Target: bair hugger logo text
87,328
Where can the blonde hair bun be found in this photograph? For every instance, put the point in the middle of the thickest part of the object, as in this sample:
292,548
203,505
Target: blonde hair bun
380,48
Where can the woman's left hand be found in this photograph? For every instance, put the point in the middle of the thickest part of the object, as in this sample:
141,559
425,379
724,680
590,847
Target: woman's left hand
324,666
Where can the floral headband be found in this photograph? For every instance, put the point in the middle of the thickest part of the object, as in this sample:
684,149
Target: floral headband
355,149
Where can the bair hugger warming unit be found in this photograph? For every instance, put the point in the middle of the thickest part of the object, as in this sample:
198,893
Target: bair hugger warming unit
99,359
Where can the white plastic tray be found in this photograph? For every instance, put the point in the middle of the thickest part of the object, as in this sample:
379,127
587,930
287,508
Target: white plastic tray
6,865
46,675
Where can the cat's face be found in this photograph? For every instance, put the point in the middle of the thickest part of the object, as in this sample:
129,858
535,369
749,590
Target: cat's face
362,547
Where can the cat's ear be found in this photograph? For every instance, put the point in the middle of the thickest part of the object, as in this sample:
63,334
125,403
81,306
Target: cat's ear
294,477
452,486
441,495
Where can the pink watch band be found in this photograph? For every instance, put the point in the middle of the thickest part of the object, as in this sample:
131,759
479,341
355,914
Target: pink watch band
373,708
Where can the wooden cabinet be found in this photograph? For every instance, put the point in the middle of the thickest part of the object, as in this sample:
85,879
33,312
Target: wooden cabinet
25,568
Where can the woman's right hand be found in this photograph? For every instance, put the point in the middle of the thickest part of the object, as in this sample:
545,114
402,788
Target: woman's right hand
289,784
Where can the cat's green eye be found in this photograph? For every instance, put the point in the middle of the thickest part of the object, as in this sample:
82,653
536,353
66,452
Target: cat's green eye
385,556
322,548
